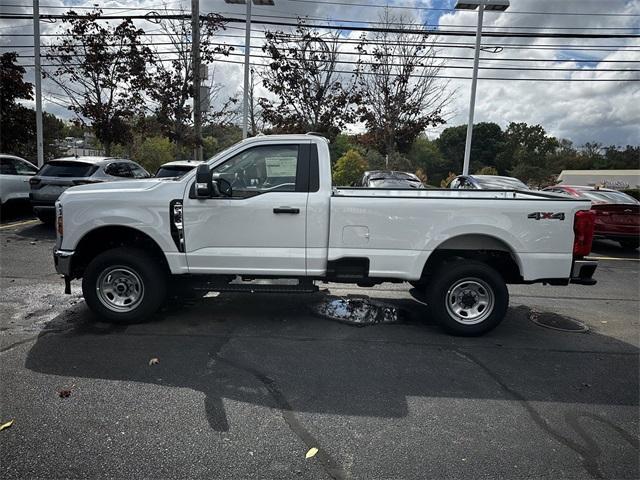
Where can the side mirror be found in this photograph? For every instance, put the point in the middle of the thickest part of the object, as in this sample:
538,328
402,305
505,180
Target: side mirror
203,181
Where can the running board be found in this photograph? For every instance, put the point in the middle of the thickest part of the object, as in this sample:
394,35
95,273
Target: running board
259,286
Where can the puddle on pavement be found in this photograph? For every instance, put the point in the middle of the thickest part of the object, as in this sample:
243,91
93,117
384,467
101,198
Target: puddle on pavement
359,311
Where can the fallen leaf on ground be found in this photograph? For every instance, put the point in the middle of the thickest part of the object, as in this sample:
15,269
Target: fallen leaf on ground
6,425
311,453
64,393
154,361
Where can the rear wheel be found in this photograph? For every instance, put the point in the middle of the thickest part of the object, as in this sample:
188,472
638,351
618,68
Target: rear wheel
124,285
467,298
630,243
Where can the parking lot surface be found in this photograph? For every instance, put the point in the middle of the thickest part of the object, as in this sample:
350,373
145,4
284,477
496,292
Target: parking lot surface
243,386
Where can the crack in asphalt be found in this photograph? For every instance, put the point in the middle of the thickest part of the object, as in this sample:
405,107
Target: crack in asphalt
590,452
331,466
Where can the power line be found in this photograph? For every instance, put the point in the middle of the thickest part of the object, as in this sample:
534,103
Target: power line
372,22
452,10
343,27
449,77
342,52
484,67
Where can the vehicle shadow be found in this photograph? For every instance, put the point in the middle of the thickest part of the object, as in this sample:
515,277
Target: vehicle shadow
271,351
37,231
610,248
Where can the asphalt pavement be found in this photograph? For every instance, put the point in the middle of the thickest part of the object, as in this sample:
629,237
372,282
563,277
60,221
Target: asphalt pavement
243,386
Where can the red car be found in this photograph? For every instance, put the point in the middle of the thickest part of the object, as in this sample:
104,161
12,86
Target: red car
617,214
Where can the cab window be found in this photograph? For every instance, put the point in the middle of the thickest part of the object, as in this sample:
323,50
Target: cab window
261,169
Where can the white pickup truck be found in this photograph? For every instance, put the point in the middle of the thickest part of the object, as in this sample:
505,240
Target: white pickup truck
266,209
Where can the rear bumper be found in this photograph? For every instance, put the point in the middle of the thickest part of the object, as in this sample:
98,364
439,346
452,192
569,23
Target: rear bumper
582,272
62,261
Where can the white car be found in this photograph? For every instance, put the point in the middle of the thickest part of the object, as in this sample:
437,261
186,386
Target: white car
176,168
14,178
266,209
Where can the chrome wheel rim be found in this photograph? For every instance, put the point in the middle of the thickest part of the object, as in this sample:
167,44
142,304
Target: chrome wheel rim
120,289
470,301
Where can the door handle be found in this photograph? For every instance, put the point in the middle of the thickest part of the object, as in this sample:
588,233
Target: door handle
294,211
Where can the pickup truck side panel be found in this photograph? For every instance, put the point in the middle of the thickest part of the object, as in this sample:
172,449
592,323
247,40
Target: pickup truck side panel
369,225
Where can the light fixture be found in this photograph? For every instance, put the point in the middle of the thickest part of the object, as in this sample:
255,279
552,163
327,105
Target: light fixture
494,5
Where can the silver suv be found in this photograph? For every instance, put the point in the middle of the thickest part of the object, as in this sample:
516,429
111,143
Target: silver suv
59,174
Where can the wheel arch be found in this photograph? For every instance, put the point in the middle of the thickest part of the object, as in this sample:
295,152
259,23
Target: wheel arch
482,247
107,237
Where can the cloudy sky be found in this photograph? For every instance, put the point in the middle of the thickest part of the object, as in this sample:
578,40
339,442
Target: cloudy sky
582,111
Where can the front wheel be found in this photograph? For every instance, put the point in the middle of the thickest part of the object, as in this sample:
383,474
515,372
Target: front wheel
467,298
124,285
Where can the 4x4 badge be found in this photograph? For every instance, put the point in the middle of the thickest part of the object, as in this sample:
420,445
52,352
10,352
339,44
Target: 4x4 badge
546,216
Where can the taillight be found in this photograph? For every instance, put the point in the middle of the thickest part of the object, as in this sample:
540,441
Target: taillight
583,226
34,181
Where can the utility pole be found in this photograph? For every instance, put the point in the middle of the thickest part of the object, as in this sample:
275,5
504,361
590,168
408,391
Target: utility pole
36,54
195,47
247,53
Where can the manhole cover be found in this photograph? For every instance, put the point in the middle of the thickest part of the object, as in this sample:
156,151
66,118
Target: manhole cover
557,322
357,310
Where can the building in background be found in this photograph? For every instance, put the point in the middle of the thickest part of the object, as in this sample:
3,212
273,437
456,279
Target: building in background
616,179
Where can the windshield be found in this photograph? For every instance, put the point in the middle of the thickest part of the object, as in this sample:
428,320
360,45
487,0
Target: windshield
67,169
173,171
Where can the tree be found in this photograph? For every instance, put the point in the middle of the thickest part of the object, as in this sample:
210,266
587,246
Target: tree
400,92
527,148
487,171
311,95
102,69
425,155
486,143
155,151
349,168
18,123
172,85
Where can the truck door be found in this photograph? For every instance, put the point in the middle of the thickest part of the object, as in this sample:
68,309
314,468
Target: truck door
261,228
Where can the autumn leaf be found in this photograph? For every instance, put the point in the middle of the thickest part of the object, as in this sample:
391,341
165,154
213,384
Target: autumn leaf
6,425
311,453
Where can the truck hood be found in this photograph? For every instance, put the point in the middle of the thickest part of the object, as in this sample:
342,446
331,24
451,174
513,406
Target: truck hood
120,186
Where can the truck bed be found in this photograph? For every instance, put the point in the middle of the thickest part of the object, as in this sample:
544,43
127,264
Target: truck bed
398,234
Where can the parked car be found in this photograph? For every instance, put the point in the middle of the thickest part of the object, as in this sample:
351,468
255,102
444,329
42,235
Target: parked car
177,168
14,178
390,179
59,174
266,208
487,182
617,214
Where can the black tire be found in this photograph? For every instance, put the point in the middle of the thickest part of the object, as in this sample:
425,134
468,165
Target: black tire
135,266
630,243
471,279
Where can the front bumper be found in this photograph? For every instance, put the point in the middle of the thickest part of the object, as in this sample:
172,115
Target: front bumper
582,272
62,260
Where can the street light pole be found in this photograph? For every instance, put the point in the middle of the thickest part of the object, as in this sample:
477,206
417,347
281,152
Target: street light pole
481,5
472,100
247,57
